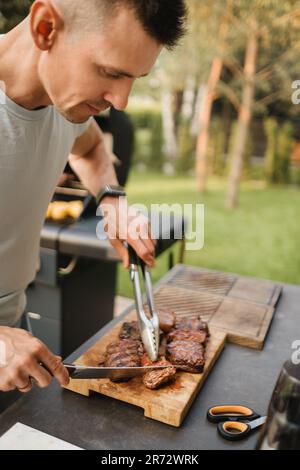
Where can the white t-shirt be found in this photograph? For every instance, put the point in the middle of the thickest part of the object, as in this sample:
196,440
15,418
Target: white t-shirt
34,149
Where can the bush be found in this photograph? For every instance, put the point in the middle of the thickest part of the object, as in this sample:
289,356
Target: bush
216,147
147,121
279,149
186,148
295,175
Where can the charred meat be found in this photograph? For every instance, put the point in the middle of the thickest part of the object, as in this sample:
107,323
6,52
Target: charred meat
182,346
187,335
130,330
124,353
187,355
191,323
156,378
166,320
162,346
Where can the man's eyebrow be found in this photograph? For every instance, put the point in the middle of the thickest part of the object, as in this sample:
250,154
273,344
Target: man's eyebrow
120,72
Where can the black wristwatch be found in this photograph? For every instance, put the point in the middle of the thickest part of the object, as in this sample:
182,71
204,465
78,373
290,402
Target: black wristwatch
110,191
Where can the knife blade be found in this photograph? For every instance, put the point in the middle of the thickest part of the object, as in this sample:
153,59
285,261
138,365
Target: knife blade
77,371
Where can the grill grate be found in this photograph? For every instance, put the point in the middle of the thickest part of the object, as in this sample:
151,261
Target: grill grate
242,307
186,303
194,278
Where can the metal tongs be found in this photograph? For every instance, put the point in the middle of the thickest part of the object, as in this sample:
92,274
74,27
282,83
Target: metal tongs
149,327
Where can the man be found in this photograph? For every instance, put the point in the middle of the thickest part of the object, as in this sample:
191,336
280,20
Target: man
67,61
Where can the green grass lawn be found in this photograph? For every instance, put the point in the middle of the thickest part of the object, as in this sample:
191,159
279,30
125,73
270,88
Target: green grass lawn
261,238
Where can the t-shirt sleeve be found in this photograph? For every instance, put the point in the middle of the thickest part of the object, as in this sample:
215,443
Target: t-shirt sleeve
81,128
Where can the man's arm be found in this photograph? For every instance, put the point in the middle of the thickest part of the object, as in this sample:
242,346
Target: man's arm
91,161
94,166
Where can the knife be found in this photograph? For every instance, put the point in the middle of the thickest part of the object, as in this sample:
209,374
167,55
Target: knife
115,373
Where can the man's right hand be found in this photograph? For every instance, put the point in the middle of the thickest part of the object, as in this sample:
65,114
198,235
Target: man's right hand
23,355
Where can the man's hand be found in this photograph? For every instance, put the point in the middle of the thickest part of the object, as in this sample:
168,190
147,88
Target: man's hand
123,223
21,362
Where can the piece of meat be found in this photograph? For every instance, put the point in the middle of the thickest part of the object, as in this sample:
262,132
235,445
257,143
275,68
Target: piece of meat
191,323
162,346
187,335
101,359
146,361
156,378
166,319
186,355
130,330
125,345
124,353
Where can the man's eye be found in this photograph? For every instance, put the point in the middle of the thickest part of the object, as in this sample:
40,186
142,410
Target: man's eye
113,75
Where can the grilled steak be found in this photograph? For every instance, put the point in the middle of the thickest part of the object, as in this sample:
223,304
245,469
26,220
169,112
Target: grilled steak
124,353
166,320
191,323
156,378
182,346
162,346
186,355
185,335
130,330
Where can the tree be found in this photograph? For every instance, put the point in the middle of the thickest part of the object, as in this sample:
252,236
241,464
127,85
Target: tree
245,114
268,28
12,12
210,94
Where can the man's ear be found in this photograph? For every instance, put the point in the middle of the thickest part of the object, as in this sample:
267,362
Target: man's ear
45,22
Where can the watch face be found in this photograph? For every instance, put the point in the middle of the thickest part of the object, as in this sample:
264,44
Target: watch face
113,191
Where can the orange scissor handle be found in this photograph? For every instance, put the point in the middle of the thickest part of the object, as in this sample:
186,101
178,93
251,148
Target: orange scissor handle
221,413
234,430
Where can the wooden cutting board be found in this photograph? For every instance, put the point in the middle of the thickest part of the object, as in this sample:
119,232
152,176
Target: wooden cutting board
242,307
169,404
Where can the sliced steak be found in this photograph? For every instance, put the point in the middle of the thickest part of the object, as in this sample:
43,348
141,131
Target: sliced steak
156,378
191,323
166,320
124,353
187,355
162,346
187,335
130,330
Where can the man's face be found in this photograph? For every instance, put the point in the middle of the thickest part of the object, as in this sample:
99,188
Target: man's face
90,71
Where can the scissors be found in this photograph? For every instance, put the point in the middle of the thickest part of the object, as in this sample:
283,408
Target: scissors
235,422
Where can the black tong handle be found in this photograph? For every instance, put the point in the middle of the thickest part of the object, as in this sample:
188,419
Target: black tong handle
134,258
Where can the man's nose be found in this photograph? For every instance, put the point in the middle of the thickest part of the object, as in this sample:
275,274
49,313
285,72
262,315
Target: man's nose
119,96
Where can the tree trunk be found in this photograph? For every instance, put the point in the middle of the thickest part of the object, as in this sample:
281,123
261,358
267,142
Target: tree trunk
244,119
199,105
215,75
202,141
170,140
188,99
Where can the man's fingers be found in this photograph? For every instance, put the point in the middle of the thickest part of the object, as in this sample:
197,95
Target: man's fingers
140,238
143,252
40,375
54,365
122,250
149,244
23,383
